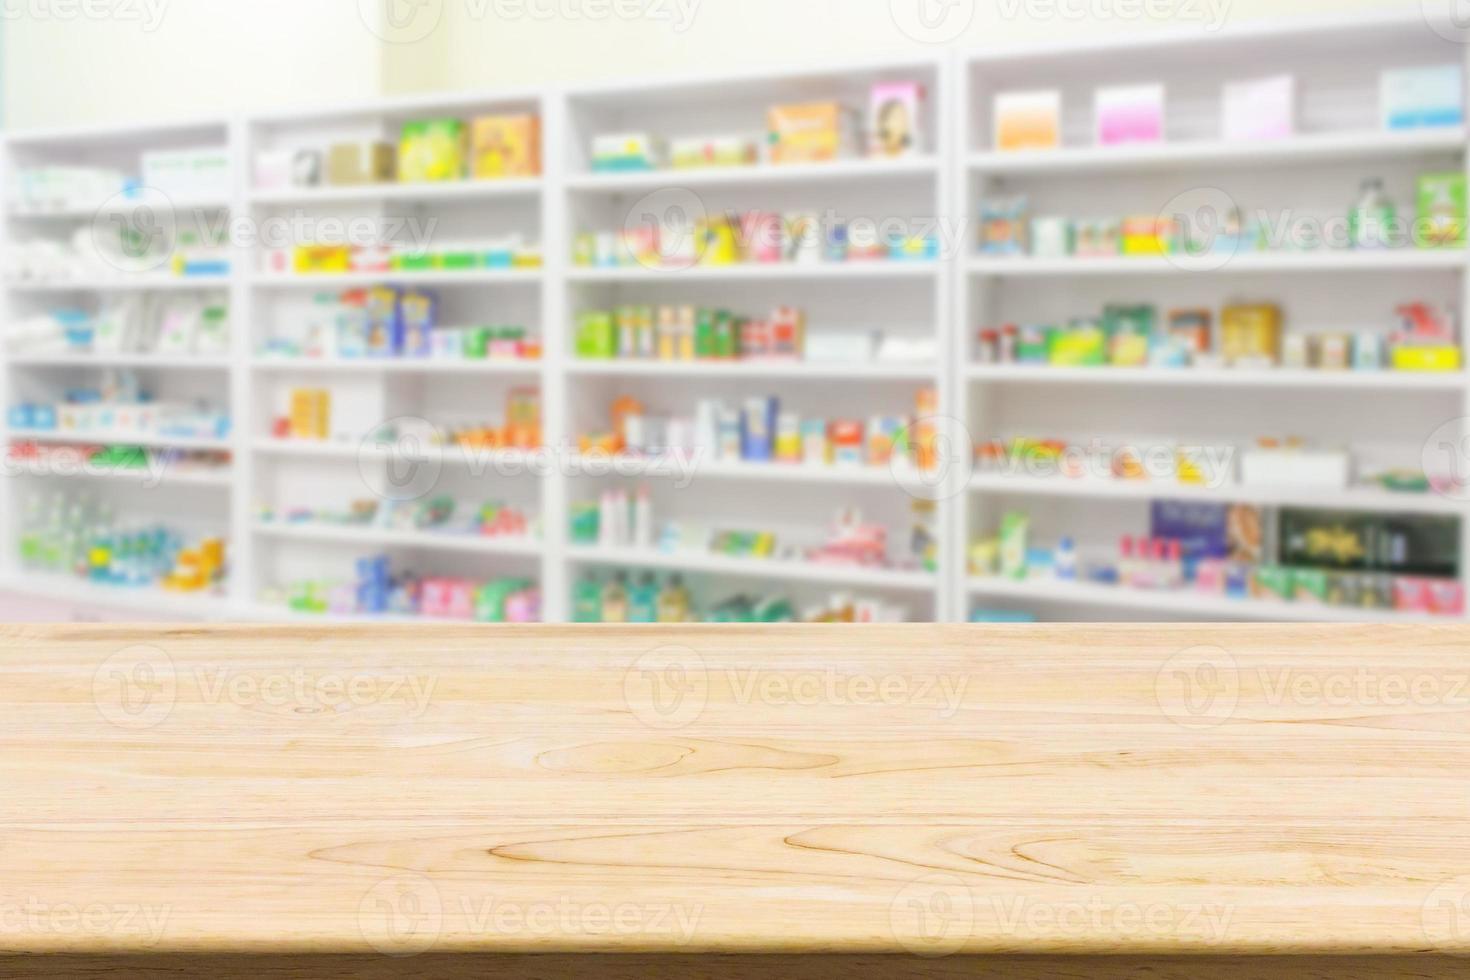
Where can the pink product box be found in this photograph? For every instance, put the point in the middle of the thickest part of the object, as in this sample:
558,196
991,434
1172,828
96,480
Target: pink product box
371,258
444,598
1436,596
764,234
1129,114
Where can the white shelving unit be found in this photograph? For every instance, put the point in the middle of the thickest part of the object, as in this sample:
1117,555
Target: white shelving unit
907,298
1315,174
1336,63
202,501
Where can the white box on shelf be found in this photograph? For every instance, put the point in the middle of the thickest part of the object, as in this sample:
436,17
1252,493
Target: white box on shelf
1260,109
1326,470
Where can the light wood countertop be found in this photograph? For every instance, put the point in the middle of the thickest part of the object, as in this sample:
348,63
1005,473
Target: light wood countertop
1140,790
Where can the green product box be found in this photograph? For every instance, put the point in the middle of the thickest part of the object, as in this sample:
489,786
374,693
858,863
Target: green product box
490,601
1275,582
476,343
1312,586
596,336
727,339
704,334
1441,216
413,262
457,261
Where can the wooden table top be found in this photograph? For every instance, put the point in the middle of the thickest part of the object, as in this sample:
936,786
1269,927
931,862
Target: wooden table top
934,790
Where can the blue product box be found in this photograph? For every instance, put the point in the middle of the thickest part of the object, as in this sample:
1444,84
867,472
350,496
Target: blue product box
758,430
21,416
1420,98
1202,530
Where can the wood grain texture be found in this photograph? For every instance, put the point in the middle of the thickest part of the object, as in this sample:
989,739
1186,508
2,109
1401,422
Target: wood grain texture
1067,791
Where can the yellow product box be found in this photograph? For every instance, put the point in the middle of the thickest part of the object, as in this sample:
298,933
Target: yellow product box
431,150
321,259
1250,333
1027,120
505,146
1145,236
1426,359
815,132
311,413
1130,350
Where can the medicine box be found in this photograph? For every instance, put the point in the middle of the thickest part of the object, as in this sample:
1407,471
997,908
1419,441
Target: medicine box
1417,98
1028,120
505,146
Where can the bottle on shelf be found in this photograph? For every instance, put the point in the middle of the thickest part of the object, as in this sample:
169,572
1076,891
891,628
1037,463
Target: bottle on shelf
673,601
615,599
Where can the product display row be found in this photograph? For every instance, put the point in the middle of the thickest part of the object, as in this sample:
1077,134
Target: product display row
1268,462
195,174
811,132
169,326
618,520
1256,109
377,591
753,237
122,406
486,147
384,322
626,598
1202,229
120,252
760,431
689,333
1250,337
506,252
439,515
1408,564
308,416
82,538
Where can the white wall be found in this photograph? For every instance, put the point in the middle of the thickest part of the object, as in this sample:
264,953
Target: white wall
487,43
159,58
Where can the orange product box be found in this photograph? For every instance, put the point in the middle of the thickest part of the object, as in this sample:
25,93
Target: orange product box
1028,120
815,132
505,146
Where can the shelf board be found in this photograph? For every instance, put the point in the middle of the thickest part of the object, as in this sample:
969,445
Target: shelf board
1425,381
425,192
1369,145
791,571
404,365
119,439
1365,498
1187,603
371,537
816,271
122,284
154,601
350,280
694,468
113,206
752,369
104,360
757,175
1400,260
450,455
173,475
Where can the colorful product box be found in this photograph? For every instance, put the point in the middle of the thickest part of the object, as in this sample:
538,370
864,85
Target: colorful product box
1419,98
353,164
1129,114
1440,221
815,132
896,120
431,150
1028,120
505,146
